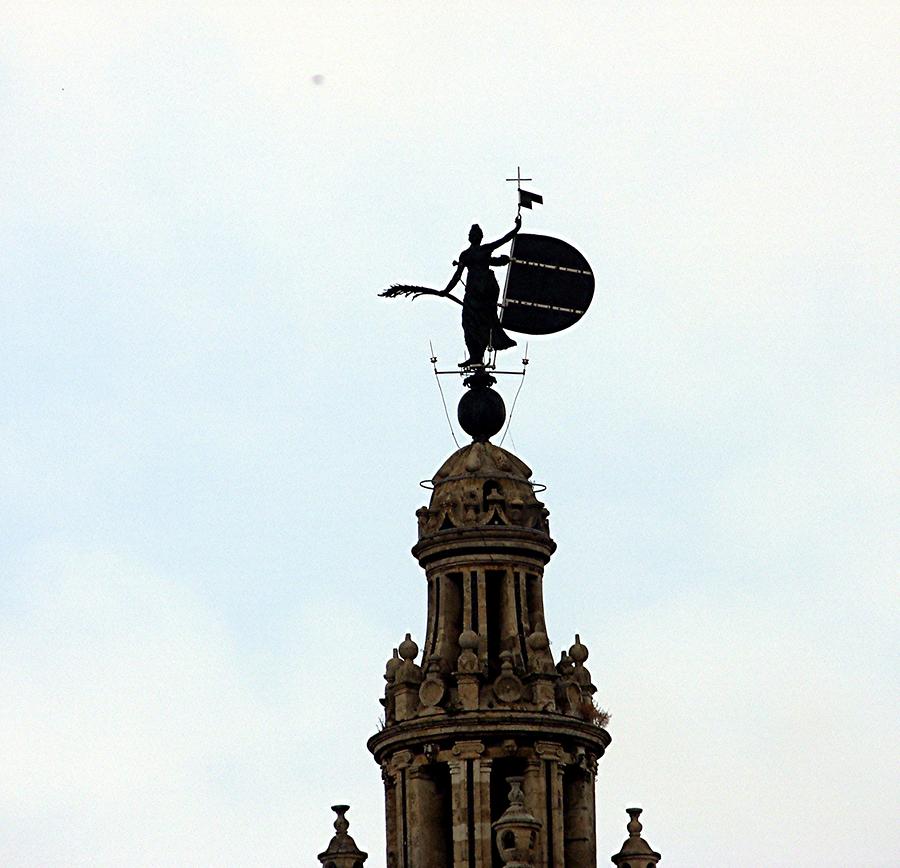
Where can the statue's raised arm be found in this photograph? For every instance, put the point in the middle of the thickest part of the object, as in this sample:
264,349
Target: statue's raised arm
509,235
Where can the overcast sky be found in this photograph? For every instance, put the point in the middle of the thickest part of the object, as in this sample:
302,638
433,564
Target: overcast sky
212,430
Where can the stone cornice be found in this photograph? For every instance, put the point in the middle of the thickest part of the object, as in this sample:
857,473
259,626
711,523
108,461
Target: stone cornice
480,725
495,541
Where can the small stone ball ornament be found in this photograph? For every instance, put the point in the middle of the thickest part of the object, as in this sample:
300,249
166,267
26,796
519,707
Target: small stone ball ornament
468,656
390,668
541,659
408,649
578,652
468,640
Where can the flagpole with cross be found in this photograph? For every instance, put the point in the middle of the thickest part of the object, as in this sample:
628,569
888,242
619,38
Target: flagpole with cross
526,200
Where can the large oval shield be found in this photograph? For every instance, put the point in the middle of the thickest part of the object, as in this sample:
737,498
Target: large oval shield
548,287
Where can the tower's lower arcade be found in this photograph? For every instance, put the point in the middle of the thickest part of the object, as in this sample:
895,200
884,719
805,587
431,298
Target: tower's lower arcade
445,787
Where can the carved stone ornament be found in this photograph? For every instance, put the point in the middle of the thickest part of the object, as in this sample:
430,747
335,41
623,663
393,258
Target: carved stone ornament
508,686
468,662
636,852
342,852
582,677
482,485
517,830
408,672
540,658
432,689
468,749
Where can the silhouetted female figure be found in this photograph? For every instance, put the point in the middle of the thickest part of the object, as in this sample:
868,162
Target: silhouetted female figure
481,326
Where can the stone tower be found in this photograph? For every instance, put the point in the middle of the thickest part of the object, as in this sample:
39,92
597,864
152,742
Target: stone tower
484,707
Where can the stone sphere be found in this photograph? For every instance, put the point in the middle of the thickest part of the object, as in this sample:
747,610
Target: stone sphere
481,413
578,652
468,640
538,641
408,648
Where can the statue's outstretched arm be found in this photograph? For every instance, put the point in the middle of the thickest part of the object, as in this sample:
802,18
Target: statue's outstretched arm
509,235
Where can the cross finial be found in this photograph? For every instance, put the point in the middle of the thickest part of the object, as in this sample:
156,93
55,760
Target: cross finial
518,179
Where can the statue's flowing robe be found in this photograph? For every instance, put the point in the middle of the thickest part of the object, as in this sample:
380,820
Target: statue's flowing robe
481,325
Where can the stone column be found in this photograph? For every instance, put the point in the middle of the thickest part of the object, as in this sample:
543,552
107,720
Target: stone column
398,765
559,820
483,616
390,815
536,604
592,803
525,625
554,845
431,627
459,807
580,846
470,772
467,601
483,830
536,802
509,626
426,845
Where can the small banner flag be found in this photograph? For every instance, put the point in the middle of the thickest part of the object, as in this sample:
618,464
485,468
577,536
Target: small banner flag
526,199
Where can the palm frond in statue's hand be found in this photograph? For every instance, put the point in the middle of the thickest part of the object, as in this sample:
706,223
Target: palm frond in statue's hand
414,292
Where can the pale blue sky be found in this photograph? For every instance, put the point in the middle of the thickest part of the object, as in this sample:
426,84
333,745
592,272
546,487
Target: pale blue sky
212,430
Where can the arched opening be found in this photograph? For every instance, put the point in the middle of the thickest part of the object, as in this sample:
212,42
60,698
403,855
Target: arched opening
491,486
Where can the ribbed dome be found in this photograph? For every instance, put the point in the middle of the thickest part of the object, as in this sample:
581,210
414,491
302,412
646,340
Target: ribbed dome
482,484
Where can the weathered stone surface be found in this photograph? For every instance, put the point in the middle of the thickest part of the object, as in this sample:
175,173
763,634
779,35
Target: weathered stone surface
342,852
489,703
636,852
482,484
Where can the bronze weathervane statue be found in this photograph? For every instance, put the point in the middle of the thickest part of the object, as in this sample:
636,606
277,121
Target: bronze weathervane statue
549,286
480,322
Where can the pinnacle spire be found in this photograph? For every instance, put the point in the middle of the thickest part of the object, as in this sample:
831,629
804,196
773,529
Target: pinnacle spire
636,852
342,852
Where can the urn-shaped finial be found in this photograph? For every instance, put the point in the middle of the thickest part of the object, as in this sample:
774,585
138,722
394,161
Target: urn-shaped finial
342,852
636,852
517,830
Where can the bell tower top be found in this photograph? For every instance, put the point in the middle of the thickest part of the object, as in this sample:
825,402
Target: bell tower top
483,485
481,701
